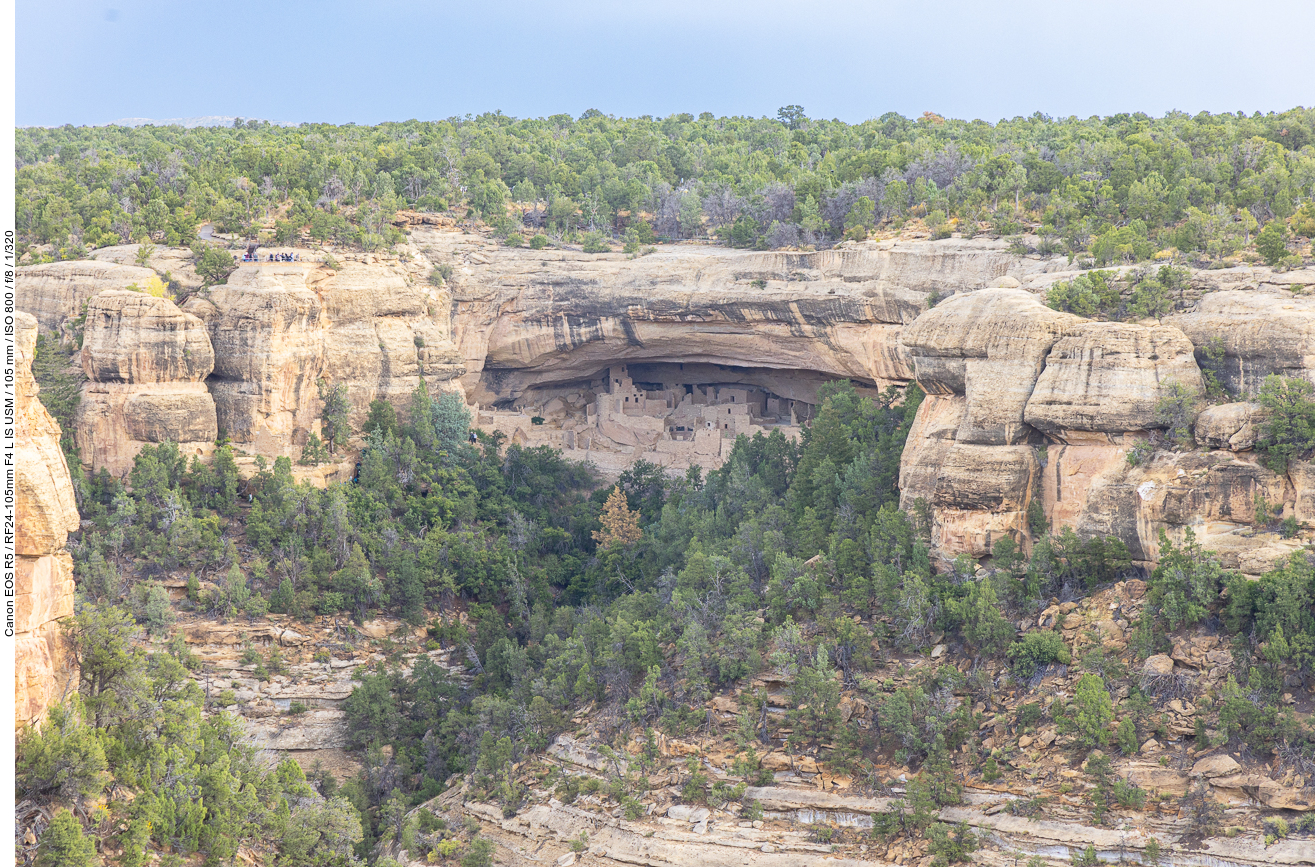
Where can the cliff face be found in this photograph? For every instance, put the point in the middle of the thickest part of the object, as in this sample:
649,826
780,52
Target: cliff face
145,362
1026,405
1029,405
46,514
532,319
242,358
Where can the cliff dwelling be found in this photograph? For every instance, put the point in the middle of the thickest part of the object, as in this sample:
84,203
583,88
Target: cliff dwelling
671,414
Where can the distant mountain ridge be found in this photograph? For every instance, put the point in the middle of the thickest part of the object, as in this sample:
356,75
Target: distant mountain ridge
187,122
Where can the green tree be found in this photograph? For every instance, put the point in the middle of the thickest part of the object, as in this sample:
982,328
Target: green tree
214,265
1093,710
1288,431
860,213
64,845
103,641
64,757
1272,242
792,116
382,417
1177,409
1186,581
336,416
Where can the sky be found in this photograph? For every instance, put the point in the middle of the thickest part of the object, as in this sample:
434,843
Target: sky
340,61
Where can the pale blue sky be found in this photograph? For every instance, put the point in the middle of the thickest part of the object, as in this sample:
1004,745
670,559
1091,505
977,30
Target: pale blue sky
86,62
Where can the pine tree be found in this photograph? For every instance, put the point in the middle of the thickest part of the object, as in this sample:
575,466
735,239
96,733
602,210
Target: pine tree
620,525
1093,710
64,845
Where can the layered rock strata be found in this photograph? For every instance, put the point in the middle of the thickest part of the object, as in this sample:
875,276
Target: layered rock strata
146,362
242,358
46,514
55,293
1030,406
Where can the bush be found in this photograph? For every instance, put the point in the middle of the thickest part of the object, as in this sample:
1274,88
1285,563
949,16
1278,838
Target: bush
515,239
594,243
64,757
1272,242
1036,650
951,846
64,845
1094,294
1288,431
480,854
1140,453
1092,710
539,242
1177,409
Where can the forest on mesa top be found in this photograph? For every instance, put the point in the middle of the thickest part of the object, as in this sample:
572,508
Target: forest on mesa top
1115,189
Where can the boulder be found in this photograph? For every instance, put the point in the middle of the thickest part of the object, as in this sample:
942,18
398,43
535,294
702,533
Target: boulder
1231,426
1157,779
1110,377
1216,766
1158,665
686,813
1271,793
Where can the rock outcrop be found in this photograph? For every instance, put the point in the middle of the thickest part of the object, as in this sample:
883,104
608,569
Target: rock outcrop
55,292
278,328
1251,335
146,362
1231,426
243,358
988,347
46,514
525,319
1110,377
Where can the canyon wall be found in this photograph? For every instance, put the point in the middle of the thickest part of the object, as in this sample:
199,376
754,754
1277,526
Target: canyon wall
1027,408
46,514
241,359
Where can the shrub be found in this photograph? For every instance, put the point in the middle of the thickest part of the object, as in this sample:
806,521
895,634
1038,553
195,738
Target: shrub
64,845
951,846
64,757
515,239
1092,710
594,243
1094,294
1272,242
1288,431
1176,410
1036,650
1140,453
538,242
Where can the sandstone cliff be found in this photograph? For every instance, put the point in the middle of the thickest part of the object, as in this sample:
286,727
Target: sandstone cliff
526,319
146,362
241,358
46,514
1027,405
55,292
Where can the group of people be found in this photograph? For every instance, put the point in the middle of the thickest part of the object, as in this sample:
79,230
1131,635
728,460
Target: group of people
250,256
